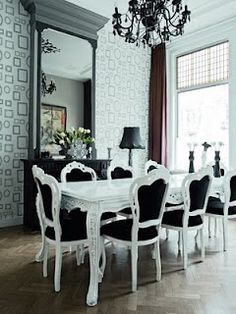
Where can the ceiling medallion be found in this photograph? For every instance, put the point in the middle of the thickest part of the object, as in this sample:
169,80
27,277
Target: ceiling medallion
150,22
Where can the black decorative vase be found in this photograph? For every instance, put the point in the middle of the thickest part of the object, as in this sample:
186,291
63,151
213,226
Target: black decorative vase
217,164
64,152
191,159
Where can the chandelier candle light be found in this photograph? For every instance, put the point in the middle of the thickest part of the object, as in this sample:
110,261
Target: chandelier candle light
150,22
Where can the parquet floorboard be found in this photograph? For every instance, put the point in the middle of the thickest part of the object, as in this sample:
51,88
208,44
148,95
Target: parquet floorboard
204,288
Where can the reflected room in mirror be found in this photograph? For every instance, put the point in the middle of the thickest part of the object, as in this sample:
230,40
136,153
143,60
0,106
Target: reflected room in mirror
66,67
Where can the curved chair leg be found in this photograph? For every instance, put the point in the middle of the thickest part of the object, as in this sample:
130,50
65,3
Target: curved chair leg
80,254
216,223
225,233
196,236
134,262
57,273
202,245
45,260
184,245
167,234
103,259
158,260
179,240
209,227
40,255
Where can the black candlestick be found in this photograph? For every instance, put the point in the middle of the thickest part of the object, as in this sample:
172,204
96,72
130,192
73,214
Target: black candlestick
217,164
191,159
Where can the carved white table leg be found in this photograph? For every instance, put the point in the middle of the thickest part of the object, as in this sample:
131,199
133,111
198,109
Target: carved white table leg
93,230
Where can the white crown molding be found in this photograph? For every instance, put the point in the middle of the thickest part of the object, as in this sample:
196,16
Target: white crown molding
209,6
205,32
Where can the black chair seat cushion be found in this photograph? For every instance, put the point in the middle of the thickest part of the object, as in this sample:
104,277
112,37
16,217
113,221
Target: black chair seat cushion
216,207
121,230
175,218
173,204
126,211
73,226
108,215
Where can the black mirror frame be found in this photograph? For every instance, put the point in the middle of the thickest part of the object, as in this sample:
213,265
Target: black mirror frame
68,18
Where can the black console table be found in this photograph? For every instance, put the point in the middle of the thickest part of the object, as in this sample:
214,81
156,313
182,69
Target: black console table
52,167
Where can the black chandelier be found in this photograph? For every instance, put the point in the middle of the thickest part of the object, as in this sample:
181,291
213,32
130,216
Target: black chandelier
47,88
47,47
150,22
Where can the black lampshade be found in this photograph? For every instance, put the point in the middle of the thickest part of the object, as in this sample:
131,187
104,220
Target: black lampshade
131,138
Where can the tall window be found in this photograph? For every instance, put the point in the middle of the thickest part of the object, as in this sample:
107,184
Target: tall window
202,104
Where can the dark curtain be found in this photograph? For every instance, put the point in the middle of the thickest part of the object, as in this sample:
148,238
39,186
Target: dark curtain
87,105
157,106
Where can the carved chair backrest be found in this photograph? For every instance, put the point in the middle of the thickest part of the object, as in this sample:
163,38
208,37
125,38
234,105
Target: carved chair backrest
148,197
119,172
151,165
76,171
48,200
195,191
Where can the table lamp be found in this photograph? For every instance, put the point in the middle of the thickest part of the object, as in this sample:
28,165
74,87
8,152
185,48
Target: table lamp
131,139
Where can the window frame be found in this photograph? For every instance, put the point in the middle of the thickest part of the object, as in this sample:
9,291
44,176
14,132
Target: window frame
198,41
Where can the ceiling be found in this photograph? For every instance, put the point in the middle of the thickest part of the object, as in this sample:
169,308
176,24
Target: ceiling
74,61
204,12
75,58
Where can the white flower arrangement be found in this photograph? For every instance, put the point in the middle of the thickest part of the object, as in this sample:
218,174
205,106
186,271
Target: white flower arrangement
67,138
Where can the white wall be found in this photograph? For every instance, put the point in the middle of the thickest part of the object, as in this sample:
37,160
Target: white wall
69,94
213,34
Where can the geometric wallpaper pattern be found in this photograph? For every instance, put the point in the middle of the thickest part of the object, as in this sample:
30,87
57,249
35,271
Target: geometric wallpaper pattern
122,94
14,107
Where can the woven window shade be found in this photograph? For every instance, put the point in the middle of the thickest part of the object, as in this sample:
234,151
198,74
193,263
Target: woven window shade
203,67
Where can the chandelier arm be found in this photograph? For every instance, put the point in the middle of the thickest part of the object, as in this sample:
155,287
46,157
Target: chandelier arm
169,18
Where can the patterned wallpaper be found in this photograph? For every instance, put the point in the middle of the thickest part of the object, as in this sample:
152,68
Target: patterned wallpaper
121,100
122,91
14,84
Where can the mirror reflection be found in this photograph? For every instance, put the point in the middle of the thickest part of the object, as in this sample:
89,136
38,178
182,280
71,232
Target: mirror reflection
66,85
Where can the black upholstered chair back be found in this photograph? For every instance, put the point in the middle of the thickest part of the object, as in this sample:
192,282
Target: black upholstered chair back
198,192
78,175
120,173
46,193
151,168
150,199
76,171
233,189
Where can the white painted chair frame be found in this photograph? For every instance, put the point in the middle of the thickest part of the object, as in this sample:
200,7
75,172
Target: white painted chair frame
134,244
186,196
150,163
77,165
113,166
55,223
222,166
110,169
227,203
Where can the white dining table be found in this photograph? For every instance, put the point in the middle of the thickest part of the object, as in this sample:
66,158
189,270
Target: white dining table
97,197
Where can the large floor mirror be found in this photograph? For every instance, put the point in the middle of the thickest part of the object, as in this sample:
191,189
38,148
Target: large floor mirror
66,65
62,79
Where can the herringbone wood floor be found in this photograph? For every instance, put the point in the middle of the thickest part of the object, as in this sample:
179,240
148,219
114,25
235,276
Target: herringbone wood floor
208,287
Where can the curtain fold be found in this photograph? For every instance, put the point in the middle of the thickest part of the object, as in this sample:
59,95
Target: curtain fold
87,105
157,106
